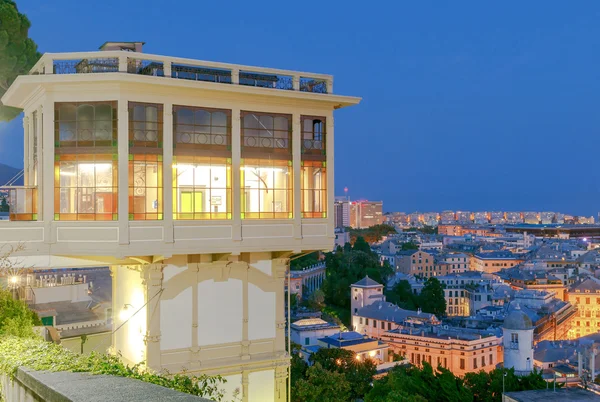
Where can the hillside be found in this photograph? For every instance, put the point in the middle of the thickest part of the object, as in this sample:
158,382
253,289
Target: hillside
7,173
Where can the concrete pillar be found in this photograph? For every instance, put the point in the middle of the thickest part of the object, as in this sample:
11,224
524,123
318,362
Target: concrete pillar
27,153
123,167
330,178
279,268
593,364
47,171
281,383
236,155
579,364
168,172
39,162
296,164
153,277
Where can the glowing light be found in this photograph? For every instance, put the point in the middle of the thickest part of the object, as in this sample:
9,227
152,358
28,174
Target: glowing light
357,357
14,280
585,239
126,312
372,353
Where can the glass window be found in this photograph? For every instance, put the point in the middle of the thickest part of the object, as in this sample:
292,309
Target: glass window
85,187
145,161
145,187
266,189
206,130
201,187
313,137
92,124
266,133
145,125
314,189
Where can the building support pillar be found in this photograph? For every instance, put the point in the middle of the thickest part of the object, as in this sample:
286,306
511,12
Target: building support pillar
153,279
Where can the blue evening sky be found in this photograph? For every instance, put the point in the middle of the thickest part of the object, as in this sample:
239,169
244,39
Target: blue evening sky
466,104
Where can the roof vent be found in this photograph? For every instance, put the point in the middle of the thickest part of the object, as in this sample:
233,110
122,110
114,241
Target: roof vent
125,46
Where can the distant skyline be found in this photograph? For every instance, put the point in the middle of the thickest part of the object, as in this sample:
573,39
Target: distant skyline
466,105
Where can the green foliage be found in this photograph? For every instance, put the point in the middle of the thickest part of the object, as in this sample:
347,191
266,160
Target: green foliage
18,53
316,300
487,387
410,246
361,245
3,203
347,266
405,382
432,299
321,385
358,373
15,317
372,234
402,295
304,261
339,315
38,354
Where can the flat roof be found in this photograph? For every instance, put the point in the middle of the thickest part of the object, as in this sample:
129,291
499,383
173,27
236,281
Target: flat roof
549,395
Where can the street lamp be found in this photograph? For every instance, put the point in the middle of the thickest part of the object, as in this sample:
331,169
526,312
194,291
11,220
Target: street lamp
503,377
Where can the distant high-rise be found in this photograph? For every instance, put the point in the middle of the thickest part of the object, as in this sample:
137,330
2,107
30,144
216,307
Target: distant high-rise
364,214
341,212
448,217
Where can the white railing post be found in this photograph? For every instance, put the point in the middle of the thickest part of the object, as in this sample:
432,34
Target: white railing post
48,65
330,85
235,76
167,68
123,64
296,82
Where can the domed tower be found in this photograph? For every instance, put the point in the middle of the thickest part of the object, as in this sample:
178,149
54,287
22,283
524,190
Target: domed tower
518,341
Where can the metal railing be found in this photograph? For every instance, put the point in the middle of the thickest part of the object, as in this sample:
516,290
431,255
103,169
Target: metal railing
180,68
266,142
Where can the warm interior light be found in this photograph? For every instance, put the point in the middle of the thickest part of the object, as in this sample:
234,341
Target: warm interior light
372,353
14,280
357,357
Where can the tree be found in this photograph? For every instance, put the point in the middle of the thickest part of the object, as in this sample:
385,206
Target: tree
305,261
361,245
403,296
321,385
358,373
432,298
424,384
15,316
18,53
316,300
3,205
487,387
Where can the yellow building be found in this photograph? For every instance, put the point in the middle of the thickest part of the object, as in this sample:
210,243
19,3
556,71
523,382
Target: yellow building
494,261
195,181
585,295
459,352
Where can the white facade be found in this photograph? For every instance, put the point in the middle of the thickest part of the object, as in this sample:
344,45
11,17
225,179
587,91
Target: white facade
115,175
517,333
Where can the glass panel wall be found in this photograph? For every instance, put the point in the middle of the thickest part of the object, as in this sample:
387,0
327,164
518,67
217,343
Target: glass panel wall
85,168
201,163
313,180
266,189
145,161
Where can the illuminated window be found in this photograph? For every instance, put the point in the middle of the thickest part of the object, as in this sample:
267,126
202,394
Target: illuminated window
266,189
145,161
85,175
85,187
314,189
201,163
201,187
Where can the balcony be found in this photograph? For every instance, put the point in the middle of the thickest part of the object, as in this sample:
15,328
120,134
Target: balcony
178,68
22,203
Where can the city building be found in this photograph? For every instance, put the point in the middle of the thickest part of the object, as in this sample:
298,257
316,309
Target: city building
447,217
195,182
307,279
464,217
585,296
494,261
497,218
532,218
363,347
364,214
341,212
459,350
306,332
513,217
517,335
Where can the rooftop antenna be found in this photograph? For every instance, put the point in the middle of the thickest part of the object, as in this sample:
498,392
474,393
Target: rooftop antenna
346,193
